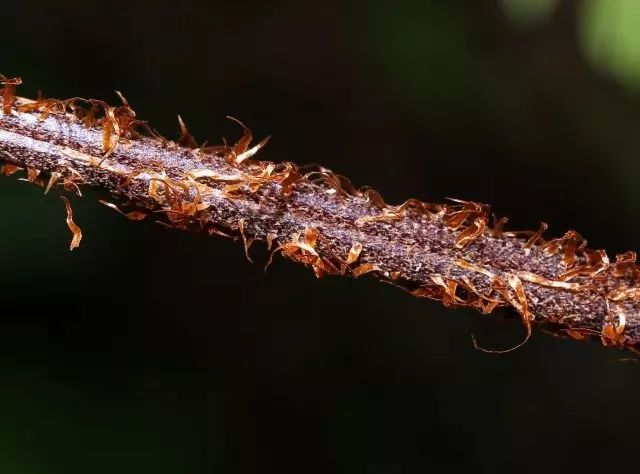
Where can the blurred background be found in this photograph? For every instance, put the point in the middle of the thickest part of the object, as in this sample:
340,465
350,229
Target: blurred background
147,350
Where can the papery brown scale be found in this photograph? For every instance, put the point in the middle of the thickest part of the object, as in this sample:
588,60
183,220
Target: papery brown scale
385,216
584,270
455,216
245,242
69,184
32,174
125,118
428,292
474,268
289,179
364,268
9,92
318,270
613,334
75,230
624,264
539,280
311,237
483,302
448,287
132,215
107,133
347,187
555,245
490,304
90,118
596,258
572,240
471,233
374,197
354,253
422,208
53,178
498,226
516,284
625,293
323,266
327,179
536,236
213,230
271,236
519,302
45,106
474,296
577,334
8,169
242,144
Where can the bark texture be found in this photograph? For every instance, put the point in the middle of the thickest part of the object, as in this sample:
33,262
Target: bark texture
446,251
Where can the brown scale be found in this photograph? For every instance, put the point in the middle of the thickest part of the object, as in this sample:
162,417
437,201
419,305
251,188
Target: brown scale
624,293
45,107
569,243
9,169
179,208
341,185
131,215
564,285
597,262
326,178
457,215
116,122
498,226
625,265
612,330
32,174
471,233
302,249
373,196
396,213
214,230
186,139
454,293
512,291
537,236
240,151
75,230
346,265
9,92
247,242
72,180
286,175
485,304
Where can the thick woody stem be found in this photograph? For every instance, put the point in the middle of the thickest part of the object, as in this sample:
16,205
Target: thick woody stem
445,252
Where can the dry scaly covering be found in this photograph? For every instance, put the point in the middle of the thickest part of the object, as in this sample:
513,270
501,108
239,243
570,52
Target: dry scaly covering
447,252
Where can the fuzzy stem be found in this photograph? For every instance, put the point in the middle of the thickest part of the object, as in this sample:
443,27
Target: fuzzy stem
445,252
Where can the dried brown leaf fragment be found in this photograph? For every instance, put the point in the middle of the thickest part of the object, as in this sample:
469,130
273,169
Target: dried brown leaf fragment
75,230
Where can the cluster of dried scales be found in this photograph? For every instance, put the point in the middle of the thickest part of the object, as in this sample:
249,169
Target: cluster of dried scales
447,252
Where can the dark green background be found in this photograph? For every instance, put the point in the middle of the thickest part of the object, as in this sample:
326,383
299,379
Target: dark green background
147,350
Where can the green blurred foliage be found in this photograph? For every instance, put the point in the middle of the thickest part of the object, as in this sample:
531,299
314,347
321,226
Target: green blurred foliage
529,13
610,38
439,56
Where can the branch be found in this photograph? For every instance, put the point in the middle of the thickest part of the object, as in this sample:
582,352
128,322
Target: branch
446,252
